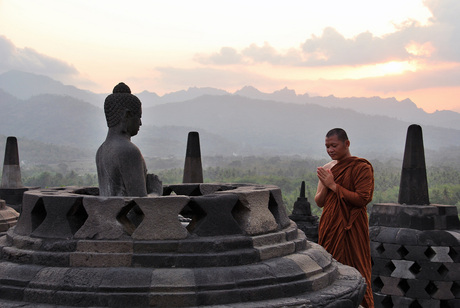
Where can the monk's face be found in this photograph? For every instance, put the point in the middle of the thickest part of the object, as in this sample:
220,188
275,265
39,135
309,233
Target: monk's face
336,148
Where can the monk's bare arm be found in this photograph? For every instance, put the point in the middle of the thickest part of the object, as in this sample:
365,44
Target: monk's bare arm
321,193
364,187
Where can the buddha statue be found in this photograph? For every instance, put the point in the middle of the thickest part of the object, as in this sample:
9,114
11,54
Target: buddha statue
121,168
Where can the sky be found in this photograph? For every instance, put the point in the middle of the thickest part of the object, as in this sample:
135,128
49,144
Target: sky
356,48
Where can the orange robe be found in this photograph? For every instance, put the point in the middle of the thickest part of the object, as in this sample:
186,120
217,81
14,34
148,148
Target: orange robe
344,225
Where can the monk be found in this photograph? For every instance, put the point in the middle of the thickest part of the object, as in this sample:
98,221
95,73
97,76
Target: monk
121,169
345,187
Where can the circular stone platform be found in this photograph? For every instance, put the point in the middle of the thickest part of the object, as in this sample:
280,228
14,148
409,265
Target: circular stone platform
71,247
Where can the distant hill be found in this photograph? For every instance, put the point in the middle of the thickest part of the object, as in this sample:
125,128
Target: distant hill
247,122
25,85
274,128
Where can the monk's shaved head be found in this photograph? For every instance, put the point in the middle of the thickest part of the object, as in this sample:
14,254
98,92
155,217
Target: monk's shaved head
339,132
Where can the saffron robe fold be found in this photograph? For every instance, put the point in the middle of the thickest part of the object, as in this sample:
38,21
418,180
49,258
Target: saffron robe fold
344,225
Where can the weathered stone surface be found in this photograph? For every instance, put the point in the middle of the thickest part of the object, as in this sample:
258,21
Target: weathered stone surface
414,185
252,213
213,215
270,269
56,223
277,208
161,218
193,170
102,222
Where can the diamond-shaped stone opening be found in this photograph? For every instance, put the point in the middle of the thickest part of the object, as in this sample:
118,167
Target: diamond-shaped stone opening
38,214
415,268
273,208
455,289
431,288
453,254
415,304
443,270
377,284
403,286
77,215
387,302
196,214
430,253
130,217
402,251
380,249
390,267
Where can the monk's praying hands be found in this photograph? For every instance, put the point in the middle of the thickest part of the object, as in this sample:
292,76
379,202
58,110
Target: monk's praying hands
326,177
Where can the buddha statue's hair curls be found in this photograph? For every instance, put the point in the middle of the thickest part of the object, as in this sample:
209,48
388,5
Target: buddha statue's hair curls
117,102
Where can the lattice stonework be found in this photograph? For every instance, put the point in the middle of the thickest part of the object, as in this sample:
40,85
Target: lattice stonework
412,267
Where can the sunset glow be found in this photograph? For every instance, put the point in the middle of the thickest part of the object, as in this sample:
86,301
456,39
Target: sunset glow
321,48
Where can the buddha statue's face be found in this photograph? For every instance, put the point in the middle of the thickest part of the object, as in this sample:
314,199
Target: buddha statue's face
133,123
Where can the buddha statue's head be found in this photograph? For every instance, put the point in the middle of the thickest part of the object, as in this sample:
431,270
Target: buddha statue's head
122,106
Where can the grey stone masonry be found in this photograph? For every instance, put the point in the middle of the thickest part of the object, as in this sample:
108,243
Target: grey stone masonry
72,247
415,244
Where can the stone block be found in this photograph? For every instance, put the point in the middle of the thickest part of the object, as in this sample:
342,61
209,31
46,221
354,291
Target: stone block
56,223
268,239
126,280
382,267
104,246
102,220
391,286
276,250
277,208
453,271
319,255
141,247
25,225
308,265
217,297
252,212
87,259
213,215
161,218
442,290
431,270
286,270
51,259
406,236
172,280
416,253
417,289
439,238
216,279
403,269
18,275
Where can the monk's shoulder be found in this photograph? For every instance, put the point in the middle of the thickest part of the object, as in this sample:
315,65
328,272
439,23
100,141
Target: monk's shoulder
330,164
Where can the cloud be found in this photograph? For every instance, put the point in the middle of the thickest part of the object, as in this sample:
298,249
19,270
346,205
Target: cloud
440,41
29,60
225,56
178,78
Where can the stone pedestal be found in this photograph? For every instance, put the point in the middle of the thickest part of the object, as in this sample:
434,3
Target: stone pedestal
67,251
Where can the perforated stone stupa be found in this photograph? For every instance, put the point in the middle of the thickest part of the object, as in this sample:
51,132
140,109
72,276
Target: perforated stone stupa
415,245
74,248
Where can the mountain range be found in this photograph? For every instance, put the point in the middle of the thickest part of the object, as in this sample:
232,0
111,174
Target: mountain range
247,122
